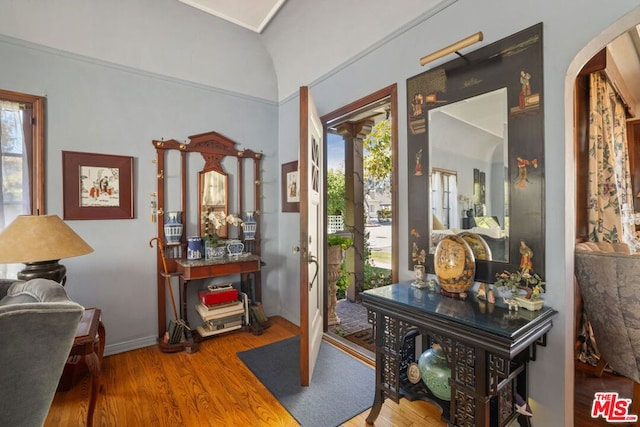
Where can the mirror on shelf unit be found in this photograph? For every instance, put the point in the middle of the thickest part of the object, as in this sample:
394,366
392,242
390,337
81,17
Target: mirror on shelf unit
469,159
475,146
213,194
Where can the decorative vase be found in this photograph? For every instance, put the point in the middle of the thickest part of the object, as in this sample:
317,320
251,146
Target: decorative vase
435,372
249,216
173,227
249,226
235,247
219,251
334,260
418,274
454,265
213,250
194,248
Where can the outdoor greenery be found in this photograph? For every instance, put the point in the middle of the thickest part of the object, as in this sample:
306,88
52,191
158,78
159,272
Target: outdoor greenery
377,159
377,178
335,192
373,276
384,214
337,240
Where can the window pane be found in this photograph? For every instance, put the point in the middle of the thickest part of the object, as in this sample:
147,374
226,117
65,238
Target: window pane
20,159
12,174
12,137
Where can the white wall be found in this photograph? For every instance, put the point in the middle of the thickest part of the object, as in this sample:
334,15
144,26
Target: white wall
99,108
160,36
310,37
568,26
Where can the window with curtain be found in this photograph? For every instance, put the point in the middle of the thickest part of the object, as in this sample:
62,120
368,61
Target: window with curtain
444,197
22,165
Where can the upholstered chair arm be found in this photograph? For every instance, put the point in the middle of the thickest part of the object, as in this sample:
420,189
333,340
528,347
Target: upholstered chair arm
4,286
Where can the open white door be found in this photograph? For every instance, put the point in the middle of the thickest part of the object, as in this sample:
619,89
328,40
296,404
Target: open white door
310,172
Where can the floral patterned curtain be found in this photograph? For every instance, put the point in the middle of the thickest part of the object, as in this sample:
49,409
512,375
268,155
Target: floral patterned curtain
609,176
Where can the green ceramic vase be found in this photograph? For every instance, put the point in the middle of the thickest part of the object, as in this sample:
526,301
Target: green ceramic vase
435,372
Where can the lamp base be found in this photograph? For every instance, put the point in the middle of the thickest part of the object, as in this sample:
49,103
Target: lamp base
51,270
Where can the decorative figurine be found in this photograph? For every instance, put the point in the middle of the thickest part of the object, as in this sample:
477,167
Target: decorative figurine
511,303
535,293
523,177
418,168
491,296
526,258
482,292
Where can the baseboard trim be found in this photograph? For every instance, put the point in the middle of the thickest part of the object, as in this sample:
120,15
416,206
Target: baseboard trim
121,347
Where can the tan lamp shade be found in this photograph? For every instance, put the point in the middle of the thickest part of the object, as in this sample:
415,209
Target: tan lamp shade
35,238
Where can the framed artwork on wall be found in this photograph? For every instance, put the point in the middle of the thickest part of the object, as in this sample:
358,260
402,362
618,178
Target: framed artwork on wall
97,186
290,187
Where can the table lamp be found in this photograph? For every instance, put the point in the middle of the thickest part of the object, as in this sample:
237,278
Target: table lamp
40,241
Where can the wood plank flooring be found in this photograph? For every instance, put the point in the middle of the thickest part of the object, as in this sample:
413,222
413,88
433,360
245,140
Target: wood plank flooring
587,384
211,387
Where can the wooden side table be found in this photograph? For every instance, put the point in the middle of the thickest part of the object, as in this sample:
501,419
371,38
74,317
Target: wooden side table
89,344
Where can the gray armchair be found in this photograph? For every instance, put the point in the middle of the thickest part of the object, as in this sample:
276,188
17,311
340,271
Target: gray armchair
609,282
38,324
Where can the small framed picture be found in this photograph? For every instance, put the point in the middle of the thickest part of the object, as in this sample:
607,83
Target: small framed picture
97,186
290,187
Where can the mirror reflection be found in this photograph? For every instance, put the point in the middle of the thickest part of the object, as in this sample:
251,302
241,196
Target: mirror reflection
213,197
469,172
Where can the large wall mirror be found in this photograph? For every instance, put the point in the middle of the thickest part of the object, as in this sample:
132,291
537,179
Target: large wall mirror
213,193
228,193
475,146
468,156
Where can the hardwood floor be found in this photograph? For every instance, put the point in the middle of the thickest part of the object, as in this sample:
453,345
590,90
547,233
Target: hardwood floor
211,387
214,388
587,384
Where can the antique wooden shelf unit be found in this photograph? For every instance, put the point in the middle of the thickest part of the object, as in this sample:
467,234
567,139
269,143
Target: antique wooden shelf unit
216,150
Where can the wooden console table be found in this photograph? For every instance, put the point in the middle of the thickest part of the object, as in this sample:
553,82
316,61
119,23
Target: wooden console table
486,346
244,265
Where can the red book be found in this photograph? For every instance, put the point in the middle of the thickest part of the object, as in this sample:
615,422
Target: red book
209,298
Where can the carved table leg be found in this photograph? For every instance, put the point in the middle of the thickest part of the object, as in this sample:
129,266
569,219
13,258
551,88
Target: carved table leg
94,364
377,406
378,398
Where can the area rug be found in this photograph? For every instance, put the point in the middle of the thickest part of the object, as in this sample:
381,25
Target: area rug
363,338
341,386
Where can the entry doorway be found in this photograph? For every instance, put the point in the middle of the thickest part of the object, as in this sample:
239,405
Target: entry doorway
361,200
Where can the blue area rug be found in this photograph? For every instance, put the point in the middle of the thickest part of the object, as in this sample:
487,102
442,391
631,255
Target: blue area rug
341,387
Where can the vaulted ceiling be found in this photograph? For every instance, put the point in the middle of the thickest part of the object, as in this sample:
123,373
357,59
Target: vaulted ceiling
254,15
308,38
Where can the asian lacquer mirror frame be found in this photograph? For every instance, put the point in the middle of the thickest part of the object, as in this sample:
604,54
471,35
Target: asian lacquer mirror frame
515,64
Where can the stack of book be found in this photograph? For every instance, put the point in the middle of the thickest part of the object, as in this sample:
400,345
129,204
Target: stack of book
174,332
220,294
222,317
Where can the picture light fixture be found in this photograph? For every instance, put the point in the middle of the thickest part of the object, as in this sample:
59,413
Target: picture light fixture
455,47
